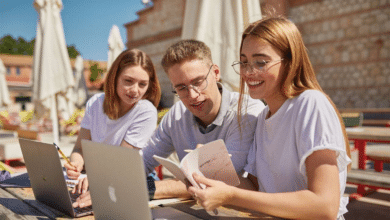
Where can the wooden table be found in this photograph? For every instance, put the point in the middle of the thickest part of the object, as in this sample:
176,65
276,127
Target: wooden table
20,203
362,135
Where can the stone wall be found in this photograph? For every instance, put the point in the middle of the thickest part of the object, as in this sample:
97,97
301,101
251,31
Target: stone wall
349,45
157,28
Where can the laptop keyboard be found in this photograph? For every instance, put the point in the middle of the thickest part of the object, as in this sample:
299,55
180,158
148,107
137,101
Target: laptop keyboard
79,210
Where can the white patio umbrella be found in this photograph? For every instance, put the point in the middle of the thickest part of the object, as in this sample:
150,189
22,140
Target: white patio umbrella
4,93
80,89
219,24
115,45
52,71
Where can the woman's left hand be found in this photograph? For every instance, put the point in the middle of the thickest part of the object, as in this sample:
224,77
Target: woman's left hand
215,194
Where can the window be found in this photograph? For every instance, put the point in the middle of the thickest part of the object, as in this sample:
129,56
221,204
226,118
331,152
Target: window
18,71
8,70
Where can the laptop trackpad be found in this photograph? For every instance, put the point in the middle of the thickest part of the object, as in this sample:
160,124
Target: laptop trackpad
170,213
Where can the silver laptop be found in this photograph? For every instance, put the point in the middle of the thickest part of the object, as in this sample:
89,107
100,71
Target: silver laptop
117,184
47,178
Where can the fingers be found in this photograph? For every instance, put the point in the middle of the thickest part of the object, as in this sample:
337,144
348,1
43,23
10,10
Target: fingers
71,171
202,180
82,186
83,200
199,145
73,174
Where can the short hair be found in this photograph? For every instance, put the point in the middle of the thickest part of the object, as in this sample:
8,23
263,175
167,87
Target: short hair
126,59
186,50
298,76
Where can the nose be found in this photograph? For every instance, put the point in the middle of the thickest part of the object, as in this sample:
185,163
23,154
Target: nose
192,93
248,70
134,88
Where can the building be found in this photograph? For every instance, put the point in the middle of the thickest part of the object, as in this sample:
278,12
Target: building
19,77
348,42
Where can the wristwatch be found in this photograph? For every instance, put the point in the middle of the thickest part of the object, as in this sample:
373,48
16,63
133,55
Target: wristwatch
151,187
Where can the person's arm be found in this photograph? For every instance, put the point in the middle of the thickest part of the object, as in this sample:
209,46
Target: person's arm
76,158
320,201
125,144
171,188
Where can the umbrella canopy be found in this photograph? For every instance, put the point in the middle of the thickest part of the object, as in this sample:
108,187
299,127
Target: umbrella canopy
4,94
219,24
115,45
80,89
52,71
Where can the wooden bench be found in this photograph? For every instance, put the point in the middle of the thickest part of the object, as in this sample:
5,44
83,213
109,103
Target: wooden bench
379,154
376,122
368,178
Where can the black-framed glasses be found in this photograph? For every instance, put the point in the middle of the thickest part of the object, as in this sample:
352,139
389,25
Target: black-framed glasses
257,66
183,90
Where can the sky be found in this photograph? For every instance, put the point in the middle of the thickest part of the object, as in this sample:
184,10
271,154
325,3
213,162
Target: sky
87,23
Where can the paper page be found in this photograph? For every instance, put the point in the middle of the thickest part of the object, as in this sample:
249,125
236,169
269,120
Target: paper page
72,182
215,163
172,167
189,165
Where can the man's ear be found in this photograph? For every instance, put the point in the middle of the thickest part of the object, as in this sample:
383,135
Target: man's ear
217,72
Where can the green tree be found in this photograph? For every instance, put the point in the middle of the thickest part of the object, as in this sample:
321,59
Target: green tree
72,51
96,72
8,45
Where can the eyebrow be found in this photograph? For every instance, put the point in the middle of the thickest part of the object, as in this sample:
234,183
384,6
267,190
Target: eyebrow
132,78
256,55
192,81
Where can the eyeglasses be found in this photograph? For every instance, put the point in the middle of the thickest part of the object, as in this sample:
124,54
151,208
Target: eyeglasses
256,66
183,91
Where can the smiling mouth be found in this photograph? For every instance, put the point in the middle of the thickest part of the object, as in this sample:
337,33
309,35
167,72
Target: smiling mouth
198,105
132,97
254,83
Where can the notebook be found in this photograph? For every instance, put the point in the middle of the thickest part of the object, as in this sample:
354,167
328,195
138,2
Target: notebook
46,177
117,184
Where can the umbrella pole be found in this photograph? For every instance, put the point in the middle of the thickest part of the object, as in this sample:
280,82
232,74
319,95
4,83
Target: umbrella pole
54,119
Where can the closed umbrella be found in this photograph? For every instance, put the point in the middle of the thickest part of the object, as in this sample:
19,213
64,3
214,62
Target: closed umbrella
220,24
80,89
4,93
52,71
115,45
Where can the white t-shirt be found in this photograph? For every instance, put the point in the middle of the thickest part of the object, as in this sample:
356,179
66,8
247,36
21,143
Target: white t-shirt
135,127
282,143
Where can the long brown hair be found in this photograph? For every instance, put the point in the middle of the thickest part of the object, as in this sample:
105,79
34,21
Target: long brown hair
126,59
298,74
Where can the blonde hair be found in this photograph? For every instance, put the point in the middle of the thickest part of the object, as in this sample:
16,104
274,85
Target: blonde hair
298,74
186,50
126,59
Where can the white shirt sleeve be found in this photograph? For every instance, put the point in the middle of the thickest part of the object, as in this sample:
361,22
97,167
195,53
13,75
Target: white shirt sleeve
318,127
142,128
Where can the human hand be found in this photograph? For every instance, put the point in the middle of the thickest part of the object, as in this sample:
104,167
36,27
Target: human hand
81,187
74,170
215,194
83,200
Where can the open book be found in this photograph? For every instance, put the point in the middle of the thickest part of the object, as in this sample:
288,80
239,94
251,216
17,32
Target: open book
212,161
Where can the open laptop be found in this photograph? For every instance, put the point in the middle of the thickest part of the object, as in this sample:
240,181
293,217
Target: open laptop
117,184
47,178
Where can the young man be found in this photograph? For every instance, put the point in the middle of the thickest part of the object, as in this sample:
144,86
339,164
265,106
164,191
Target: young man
207,111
